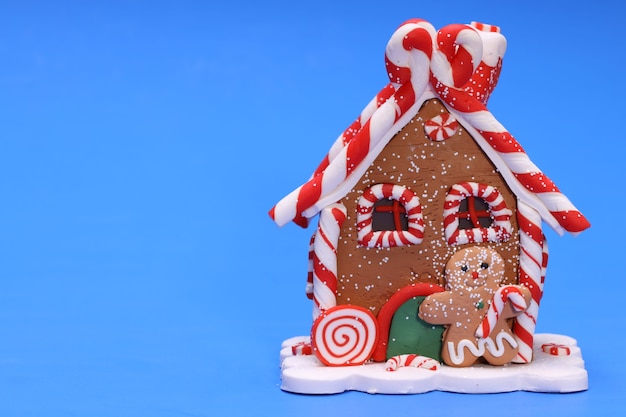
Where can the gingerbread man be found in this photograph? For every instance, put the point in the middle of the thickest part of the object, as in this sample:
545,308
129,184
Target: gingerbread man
475,308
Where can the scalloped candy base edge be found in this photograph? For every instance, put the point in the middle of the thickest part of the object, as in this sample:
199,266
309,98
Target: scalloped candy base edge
304,374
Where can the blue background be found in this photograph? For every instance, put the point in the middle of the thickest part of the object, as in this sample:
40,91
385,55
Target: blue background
142,144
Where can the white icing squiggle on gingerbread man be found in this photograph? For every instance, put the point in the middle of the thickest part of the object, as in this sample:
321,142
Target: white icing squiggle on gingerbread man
480,347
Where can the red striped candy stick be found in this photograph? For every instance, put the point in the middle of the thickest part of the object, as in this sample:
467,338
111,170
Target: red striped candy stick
532,268
485,78
343,139
412,360
458,54
324,258
301,348
504,294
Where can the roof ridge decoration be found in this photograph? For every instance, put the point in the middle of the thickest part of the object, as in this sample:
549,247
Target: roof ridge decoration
460,64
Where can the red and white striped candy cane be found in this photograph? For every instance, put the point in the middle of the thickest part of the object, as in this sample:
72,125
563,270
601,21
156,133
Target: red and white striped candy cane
532,269
343,139
504,294
301,349
458,54
407,59
324,258
410,47
412,360
485,78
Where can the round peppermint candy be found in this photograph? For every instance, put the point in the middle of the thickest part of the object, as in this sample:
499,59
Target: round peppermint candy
441,127
344,335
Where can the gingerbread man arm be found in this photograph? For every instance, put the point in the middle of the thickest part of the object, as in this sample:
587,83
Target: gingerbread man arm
433,309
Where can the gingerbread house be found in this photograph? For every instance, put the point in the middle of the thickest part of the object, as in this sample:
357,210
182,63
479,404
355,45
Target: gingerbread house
423,172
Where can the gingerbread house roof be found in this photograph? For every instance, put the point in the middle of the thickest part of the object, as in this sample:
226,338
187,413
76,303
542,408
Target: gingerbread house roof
459,65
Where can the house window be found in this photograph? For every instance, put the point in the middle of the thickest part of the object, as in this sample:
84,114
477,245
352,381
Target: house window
389,215
475,213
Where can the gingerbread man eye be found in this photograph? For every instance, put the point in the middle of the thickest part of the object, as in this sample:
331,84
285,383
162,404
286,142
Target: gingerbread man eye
464,268
484,265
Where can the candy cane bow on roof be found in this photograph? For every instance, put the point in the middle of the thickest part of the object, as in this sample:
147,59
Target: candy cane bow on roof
460,65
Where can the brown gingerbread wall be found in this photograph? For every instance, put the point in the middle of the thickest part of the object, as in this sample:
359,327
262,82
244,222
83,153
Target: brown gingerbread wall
369,276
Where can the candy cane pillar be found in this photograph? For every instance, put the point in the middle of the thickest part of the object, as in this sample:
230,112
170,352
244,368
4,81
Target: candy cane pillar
532,266
324,258
341,335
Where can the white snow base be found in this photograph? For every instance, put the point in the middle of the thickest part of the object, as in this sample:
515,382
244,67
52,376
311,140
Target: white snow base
304,374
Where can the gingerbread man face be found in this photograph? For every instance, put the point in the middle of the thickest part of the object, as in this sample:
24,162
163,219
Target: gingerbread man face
473,278
474,269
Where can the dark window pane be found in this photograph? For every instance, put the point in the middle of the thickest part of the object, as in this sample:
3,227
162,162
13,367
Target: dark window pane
389,215
474,212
